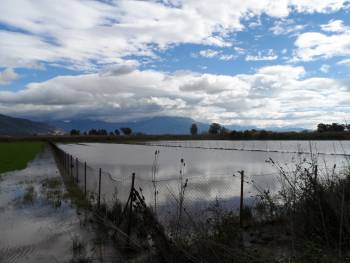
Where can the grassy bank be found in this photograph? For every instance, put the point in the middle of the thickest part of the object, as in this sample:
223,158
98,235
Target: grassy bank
16,155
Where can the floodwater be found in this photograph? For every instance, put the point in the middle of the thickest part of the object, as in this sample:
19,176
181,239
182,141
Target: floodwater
210,167
38,224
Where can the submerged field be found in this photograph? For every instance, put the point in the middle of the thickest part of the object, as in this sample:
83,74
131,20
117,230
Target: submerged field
295,196
16,155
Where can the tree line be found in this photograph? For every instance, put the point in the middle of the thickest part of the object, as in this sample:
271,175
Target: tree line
102,132
334,127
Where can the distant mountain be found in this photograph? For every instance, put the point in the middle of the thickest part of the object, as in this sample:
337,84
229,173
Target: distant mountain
22,127
154,125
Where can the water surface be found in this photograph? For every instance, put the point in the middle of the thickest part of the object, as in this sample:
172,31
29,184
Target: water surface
211,167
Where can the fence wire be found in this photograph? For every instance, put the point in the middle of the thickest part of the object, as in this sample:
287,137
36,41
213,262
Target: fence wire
169,198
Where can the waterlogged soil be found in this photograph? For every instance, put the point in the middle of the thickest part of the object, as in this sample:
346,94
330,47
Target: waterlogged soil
38,223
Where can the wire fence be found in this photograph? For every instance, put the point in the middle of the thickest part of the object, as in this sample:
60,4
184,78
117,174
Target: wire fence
182,196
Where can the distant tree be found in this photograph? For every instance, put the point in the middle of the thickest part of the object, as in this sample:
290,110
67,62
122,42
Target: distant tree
98,132
111,133
126,130
74,132
338,127
194,129
102,132
92,132
223,130
334,127
117,132
321,127
215,128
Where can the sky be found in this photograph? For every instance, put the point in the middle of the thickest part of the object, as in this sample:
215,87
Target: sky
267,63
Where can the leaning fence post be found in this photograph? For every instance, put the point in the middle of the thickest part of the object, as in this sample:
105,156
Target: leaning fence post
241,200
130,206
85,179
99,189
77,169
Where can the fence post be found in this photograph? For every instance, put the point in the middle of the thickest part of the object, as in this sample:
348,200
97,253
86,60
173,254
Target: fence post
71,165
241,200
85,179
99,189
130,206
315,174
77,170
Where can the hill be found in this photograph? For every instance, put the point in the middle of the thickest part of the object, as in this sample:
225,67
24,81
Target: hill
10,126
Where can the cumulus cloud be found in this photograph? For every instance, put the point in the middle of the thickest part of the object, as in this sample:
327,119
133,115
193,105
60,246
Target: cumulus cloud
274,95
7,76
107,31
334,26
315,45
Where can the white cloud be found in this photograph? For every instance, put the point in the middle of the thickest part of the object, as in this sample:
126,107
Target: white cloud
286,27
269,55
325,68
315,45
345,62
274,95
334,26
7,76
210,53
108,31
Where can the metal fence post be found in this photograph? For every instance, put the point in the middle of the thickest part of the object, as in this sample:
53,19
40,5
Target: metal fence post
99,189
241,200
85,179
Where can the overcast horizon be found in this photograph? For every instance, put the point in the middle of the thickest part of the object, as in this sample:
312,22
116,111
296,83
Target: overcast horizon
256,62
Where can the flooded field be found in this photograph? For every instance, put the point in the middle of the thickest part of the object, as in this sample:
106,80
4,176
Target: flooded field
210,168
38,223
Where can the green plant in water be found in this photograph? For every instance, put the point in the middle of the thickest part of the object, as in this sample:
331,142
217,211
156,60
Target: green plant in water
181,197
155,167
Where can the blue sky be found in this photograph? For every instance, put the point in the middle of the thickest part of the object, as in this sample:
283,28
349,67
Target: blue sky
257,62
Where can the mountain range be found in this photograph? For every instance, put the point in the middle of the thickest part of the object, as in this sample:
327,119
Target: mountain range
154,125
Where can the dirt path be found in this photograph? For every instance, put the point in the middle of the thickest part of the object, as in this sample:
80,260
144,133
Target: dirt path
39,224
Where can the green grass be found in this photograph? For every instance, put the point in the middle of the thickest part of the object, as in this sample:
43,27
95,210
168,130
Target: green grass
16,155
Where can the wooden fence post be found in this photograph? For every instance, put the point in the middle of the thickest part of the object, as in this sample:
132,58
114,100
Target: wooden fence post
71,165
85,179
99,189
77,170
241,200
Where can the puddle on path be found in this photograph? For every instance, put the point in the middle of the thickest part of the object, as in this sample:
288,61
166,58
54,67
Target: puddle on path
38,224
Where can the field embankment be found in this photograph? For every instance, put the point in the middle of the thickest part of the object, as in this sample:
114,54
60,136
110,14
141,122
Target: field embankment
16,155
